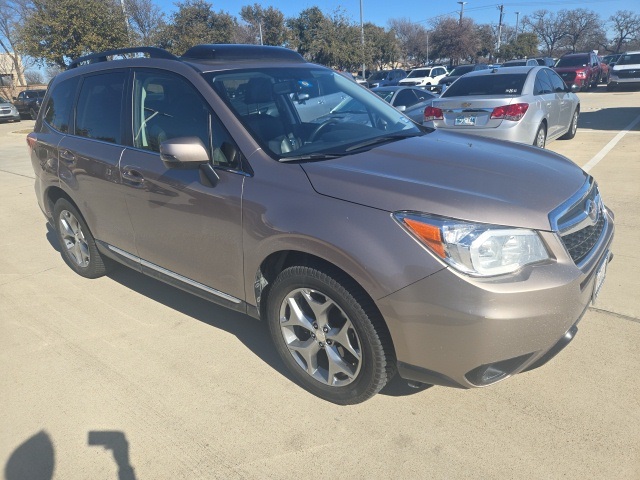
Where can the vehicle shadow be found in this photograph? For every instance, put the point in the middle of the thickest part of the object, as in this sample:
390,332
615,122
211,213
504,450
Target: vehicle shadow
33,459
614,119
252,333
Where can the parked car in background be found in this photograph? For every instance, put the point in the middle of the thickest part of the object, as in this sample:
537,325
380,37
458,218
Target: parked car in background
8,111
368,249
424,76
521,63
385,78
409,100
545,61
580,69
28,102
457,72
529,105
626,71
609,59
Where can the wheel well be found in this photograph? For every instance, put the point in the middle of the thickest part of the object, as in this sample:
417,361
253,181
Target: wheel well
53,195
275,263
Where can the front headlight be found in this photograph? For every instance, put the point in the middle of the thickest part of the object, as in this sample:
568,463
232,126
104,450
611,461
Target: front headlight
473,248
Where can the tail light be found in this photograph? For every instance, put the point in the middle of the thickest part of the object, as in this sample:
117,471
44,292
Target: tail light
581,74
513,112
432,113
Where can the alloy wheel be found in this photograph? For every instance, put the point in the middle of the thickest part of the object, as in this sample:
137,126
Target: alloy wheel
74,239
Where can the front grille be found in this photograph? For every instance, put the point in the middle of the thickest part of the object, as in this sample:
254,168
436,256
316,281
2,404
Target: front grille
568,76
628,74
5,111
580,243
410,83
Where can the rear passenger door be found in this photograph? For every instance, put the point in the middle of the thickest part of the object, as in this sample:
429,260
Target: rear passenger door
89,157
187,229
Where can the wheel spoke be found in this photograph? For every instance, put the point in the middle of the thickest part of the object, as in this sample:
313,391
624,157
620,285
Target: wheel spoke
66,228
308,350
341,336
338,365
318,307
296,316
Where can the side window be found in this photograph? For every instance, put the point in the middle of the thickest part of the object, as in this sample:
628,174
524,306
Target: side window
21,96
167,106
556,82
98,114
543,84
406,98
57,111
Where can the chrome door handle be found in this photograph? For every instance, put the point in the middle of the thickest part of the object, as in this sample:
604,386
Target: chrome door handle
67,156
132,177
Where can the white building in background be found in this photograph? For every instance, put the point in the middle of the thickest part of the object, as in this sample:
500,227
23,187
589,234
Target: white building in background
8,75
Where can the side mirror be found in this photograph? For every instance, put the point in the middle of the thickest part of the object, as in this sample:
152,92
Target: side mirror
183,152
402,108
612,64
15,98
575,88
302,97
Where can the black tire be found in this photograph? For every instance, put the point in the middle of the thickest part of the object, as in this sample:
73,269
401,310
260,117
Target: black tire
77,244
610,88
540,140
573,127
33,114
348,311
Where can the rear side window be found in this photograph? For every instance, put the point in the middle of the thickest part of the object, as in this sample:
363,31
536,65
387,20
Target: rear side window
543,84
510,85
60,104
556,82
99,110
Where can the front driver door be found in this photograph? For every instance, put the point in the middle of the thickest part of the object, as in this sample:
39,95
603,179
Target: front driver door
186,228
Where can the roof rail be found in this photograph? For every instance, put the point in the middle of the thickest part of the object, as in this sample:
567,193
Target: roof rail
227,52
153,52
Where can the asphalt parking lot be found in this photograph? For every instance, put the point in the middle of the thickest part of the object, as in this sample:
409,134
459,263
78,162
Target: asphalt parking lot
125,377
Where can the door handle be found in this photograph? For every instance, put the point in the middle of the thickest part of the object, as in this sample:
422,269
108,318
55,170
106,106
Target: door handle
67,156
132,177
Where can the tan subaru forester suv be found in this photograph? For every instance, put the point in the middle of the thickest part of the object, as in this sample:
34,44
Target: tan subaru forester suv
281,189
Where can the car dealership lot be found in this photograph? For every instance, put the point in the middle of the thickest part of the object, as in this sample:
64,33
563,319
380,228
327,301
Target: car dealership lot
176,387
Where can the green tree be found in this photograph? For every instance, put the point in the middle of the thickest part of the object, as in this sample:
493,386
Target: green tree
270,21
381,46
194,23
59,30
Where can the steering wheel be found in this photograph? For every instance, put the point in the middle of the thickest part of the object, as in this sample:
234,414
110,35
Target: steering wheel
320,128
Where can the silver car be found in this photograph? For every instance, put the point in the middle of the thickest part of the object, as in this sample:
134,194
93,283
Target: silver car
529,105
409,100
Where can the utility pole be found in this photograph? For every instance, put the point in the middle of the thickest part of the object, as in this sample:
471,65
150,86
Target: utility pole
462,4
501,8
517,18
260,28
364,75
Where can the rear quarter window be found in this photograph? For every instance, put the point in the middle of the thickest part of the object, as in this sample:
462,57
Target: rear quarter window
60,104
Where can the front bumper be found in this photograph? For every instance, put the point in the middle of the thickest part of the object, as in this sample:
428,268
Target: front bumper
451,329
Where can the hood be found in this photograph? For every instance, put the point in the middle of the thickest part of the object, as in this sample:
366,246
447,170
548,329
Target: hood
454,175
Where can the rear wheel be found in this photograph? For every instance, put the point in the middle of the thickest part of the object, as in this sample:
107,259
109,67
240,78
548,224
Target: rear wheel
541,136
78,246
573,128
329,335
610,87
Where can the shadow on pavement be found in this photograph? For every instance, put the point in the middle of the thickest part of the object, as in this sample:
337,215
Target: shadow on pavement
115,441
33,460
253,333
614,119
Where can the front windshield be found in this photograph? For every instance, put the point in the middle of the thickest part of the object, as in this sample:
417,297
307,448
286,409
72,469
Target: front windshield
386,95
423,72
632,59
2,100
456,72
308,111
578,61
380,75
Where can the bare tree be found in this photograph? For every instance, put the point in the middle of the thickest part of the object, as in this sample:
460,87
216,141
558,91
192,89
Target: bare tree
583,30
550,28
412,40
454,39
10,18
626,26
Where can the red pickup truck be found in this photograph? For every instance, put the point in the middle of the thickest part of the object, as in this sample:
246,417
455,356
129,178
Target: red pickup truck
581,69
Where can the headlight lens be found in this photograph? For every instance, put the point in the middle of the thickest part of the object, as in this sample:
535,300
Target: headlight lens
476,249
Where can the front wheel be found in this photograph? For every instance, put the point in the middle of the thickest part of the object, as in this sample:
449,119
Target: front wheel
541,136
573,128
78,246
329,335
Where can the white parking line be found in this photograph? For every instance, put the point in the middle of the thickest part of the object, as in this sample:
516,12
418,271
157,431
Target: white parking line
609,146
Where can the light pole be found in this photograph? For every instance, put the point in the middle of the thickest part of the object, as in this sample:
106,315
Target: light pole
462,4
364,75
517,18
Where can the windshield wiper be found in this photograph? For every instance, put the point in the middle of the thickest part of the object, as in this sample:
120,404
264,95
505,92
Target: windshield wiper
311,156
383,139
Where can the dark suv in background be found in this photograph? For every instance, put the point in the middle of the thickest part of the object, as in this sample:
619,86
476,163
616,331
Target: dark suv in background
28,102
457,72
369,244
580,69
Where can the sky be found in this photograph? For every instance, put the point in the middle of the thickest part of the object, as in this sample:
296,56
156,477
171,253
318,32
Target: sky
380,11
